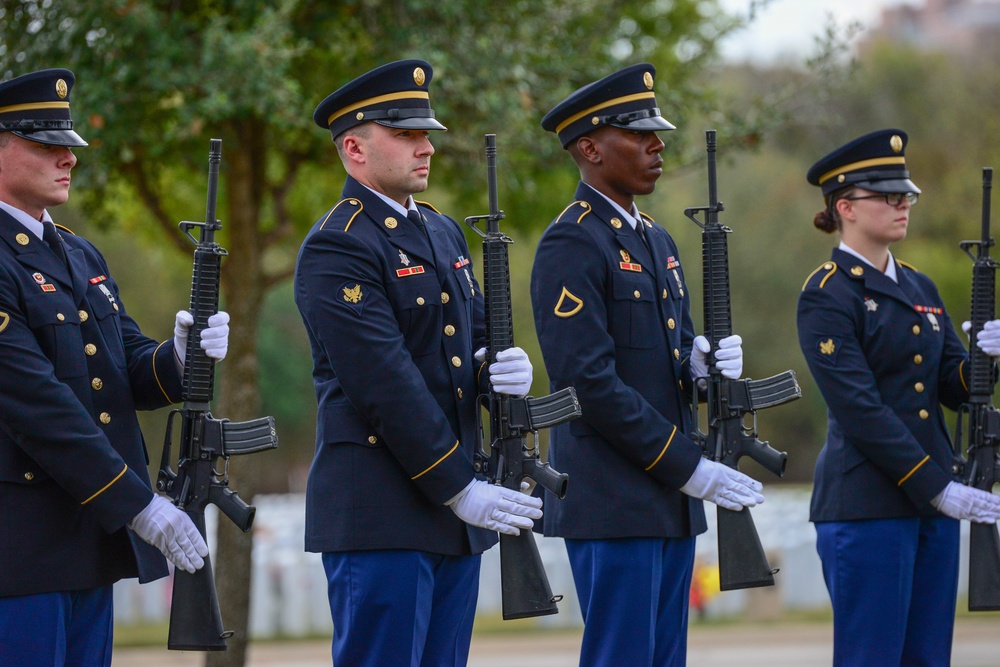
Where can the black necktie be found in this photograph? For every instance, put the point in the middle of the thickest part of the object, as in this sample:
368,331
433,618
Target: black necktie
641,232
51,236
416,219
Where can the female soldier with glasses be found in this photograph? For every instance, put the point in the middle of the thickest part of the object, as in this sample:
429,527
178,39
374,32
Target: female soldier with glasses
886,357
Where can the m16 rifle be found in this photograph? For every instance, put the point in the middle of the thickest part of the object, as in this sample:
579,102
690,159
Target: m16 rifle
742,562
524,584
195,619
981,466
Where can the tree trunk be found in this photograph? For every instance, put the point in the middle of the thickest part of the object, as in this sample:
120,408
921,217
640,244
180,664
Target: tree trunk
242,286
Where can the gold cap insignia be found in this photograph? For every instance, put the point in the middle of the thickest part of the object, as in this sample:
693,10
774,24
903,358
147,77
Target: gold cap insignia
616,223
857,271
22,239
62,90
647,79
418,76
625,256
896,143
595,120
360,115
391,222
841,178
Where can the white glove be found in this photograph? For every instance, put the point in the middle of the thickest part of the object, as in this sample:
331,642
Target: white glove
965,502
724,486
214,338
511,373
172,532
496,507
988,339
728,358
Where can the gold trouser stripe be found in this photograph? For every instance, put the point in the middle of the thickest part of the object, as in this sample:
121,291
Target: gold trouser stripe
665,447
434,465
915,468
106,486
391,97
32,106
863,164
604,105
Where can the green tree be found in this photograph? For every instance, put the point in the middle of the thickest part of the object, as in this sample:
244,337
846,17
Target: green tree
157,78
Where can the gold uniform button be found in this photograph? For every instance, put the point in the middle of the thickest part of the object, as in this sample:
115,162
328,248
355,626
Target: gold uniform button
924,414
918,359
391,222
681,290
664,292
456,362
671,324
420,301
460,392
857,271
636,294
372,439
115,306
445,298
916,329
449,330
677,353
29,476
22,239
60,317
919,387
90,349
97,383
105,418
827,266
84,316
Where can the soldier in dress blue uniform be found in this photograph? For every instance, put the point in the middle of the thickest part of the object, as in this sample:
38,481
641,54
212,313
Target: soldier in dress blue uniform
612,313
77,512
395,316
886,357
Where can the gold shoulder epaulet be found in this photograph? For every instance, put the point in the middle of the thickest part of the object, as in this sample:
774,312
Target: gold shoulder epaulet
908,265
65,228
351,202
575,212
428,205
829,267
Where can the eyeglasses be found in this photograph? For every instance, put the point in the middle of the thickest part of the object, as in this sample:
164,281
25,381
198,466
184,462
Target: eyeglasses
891,198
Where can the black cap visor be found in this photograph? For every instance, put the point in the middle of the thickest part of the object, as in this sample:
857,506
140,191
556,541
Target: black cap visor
889,186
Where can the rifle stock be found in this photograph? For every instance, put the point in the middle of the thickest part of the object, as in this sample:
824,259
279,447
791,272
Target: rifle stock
981,468
524,585
742,561
195,618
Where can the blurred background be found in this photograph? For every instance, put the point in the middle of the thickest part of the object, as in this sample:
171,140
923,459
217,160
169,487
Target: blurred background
782,81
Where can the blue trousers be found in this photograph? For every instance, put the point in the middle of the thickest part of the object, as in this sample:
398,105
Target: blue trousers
72,629
634,599
893,584
398,608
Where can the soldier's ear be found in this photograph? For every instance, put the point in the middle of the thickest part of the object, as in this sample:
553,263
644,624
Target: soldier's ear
587,149
354,149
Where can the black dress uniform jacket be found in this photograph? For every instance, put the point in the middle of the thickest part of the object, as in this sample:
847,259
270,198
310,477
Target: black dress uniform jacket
74,368
613,321
393,316
885,357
